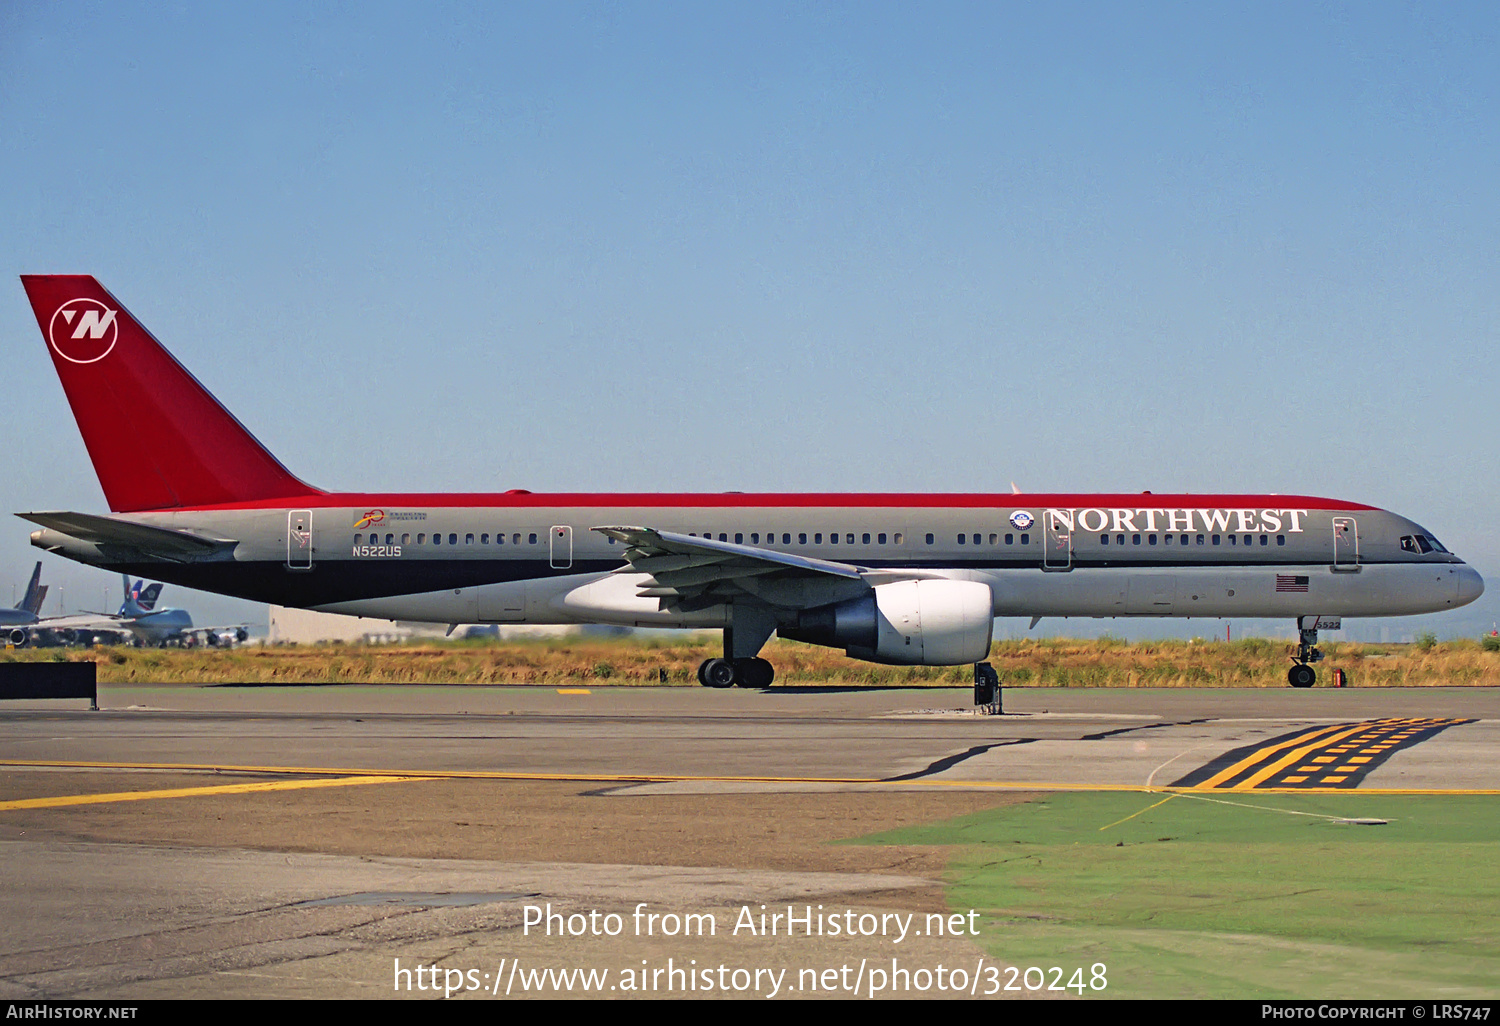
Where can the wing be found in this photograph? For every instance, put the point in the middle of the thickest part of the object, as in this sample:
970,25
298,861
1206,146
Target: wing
688,573
83,622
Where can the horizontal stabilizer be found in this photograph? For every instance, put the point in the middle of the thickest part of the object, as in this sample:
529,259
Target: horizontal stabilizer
125,534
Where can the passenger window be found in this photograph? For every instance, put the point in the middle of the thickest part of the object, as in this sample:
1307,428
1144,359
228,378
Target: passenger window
1151,539
1263,539
1166,538
1216,539
1119,539
468,539
531,538
453,539
929,539
1010,539
358,538
422,539
1200,539
739,539
1104,539
1184,539
390,539
1231,539
1025,539
849,539
484,539
880,539
961,539
723,536
896,540
866,538
786,539
406,539
754,537
437,539
515,539
802,538
1281,539
1135,539
818,538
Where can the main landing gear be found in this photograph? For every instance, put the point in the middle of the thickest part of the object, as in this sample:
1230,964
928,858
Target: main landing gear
750,626
1302,675
726,673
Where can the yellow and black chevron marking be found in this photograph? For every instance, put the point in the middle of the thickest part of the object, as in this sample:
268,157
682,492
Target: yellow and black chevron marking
1336,756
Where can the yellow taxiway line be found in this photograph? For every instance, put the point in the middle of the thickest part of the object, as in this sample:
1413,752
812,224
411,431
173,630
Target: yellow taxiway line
345,776
191,792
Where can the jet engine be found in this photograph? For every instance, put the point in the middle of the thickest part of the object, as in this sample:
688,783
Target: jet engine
909,623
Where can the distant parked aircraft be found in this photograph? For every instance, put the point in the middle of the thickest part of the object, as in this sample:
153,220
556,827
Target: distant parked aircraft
138,622
28,610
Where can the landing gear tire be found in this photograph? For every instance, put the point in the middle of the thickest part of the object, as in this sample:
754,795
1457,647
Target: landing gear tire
1301,676
717,673
753,673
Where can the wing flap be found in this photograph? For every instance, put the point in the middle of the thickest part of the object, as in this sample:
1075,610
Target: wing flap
644,543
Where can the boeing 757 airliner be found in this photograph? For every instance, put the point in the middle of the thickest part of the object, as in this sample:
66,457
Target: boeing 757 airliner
890,578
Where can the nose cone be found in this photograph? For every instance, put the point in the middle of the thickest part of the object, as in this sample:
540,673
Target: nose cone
1470,585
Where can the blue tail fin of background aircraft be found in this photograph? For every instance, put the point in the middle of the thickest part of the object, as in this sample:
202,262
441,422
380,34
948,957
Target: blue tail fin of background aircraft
31,602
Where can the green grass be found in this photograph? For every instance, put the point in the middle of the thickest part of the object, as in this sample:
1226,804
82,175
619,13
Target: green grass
1199,899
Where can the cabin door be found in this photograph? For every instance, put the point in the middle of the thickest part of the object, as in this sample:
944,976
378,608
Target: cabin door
299,539
562,548
1345,544
1057,540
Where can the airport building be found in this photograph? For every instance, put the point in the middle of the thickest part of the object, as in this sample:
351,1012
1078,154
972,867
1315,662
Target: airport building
291,626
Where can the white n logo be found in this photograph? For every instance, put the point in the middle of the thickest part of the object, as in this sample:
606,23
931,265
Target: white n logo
91,322
83,330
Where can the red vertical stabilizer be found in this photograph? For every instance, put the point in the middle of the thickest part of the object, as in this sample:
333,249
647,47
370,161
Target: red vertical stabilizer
158,439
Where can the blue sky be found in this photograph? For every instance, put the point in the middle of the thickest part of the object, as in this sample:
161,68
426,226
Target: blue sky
931,247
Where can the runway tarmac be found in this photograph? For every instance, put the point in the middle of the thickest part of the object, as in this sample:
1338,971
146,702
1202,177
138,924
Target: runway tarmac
299,841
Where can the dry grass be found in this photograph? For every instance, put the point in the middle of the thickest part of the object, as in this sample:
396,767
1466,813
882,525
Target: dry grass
574,661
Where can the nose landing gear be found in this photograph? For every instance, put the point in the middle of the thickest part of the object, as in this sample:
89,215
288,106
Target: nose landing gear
1302,675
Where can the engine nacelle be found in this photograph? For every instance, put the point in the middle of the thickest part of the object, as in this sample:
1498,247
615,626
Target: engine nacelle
909,623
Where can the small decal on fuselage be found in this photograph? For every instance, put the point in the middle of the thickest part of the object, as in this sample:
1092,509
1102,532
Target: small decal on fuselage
1022,520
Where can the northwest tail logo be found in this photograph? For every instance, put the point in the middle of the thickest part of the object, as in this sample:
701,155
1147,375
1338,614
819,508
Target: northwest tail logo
83,331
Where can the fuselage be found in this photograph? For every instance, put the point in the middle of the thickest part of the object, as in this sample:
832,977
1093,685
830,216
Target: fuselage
520,557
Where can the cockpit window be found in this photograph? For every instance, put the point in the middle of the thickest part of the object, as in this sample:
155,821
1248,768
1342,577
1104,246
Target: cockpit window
1431,541
1421,543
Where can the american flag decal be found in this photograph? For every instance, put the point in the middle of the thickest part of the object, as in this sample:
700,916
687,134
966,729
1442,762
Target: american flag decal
1289,582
